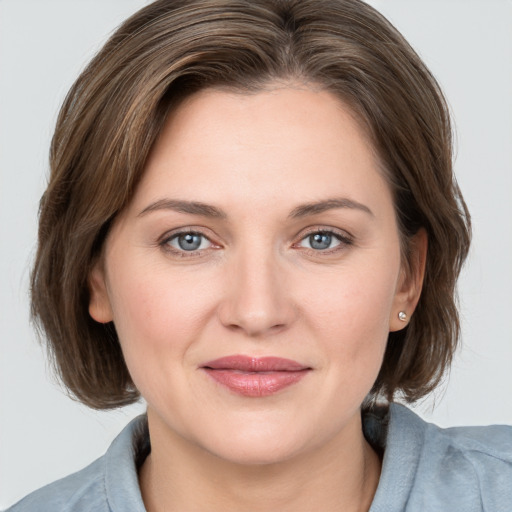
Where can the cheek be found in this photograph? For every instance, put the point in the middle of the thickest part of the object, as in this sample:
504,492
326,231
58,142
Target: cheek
352,302
158,316
351,316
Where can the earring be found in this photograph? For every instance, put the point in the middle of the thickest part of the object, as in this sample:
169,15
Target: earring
402,316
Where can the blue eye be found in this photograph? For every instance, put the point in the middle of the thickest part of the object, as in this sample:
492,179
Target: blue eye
189,242
321,241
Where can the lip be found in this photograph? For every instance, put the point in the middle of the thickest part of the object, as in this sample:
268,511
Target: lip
255,376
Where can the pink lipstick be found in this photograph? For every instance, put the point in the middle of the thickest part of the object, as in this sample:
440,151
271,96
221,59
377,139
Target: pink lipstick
255,376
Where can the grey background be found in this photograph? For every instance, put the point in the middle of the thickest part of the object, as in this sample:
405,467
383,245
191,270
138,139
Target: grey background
44,44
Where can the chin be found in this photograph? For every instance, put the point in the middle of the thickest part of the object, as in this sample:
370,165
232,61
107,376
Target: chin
258,446
256,455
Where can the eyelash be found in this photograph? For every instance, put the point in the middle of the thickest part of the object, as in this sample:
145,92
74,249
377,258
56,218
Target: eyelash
344,240
165,243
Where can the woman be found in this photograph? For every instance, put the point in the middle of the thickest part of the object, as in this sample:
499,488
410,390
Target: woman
252,222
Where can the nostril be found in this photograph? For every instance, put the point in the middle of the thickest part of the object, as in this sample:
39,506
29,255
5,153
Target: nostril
256,308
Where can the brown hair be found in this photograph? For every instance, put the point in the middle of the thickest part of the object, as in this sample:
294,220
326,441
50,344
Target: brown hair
172,48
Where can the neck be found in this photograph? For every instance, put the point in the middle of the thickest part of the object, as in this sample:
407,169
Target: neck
178,475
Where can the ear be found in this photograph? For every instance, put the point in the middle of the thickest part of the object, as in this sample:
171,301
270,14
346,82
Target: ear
99,303
411,281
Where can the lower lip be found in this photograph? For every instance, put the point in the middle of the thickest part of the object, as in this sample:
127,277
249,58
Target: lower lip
256,384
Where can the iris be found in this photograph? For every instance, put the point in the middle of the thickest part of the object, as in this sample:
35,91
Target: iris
320,241
189,241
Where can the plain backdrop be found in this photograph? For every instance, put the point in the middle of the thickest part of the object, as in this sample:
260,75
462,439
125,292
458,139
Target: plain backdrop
45,43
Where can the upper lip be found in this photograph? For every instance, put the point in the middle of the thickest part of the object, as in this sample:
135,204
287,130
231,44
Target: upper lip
255,364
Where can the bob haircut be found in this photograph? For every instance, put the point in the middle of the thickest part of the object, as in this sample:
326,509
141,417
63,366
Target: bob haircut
173,48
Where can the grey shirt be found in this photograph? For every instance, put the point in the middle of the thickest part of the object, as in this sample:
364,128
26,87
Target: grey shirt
425,469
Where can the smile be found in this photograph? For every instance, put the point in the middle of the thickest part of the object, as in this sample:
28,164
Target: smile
255,377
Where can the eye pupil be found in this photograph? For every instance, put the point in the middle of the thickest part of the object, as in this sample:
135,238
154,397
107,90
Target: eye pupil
320,241
189,241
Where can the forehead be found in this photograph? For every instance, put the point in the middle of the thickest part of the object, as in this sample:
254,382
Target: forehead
284,143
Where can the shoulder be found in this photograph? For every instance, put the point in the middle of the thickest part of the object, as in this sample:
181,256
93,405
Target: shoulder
108,484
472,464
477,448
429,468
81,491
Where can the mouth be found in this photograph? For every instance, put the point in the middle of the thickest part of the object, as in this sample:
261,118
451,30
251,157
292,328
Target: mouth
255,376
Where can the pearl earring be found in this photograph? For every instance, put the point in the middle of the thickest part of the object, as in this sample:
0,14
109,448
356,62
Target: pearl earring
402,316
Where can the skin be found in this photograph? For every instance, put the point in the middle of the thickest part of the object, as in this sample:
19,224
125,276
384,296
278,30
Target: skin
257,287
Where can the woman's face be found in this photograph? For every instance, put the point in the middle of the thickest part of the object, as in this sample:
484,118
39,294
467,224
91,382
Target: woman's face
262,228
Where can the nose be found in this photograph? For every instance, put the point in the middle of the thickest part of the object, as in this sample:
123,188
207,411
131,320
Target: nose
257,300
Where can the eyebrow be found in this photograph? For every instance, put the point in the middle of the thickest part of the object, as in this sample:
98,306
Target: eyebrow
207,210
329,204
190,207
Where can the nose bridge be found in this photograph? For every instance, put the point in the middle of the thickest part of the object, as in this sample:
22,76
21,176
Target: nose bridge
257,300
